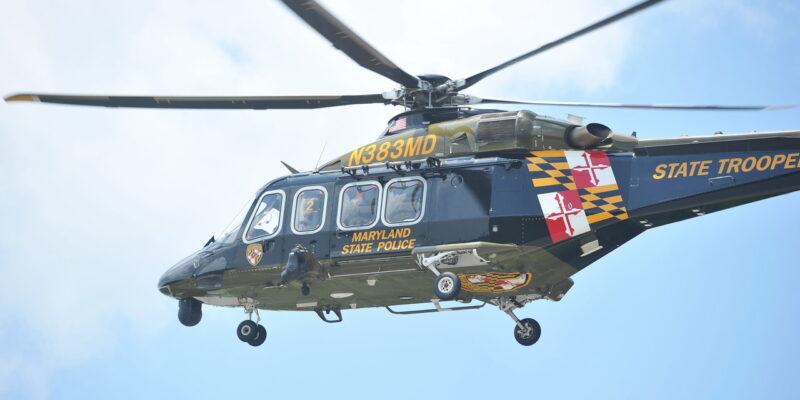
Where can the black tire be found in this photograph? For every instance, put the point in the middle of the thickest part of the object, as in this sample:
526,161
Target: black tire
447,286
530,335
261,336
305,290
247,330
190,311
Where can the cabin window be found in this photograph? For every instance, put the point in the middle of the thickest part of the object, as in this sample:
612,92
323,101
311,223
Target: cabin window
359,205
309,210
404,201
266,219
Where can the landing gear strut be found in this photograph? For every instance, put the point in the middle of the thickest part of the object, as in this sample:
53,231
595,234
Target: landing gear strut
249,331
527,331
447,285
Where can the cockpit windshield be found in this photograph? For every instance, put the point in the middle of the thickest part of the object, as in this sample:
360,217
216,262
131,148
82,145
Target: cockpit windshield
229,234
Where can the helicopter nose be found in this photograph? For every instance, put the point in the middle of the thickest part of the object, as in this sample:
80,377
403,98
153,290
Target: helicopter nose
182,270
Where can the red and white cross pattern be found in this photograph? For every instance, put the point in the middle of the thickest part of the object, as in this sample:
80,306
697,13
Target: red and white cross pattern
563,210
590,168
563,214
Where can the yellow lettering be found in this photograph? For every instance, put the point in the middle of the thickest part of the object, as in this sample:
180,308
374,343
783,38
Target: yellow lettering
681,170
779,158
413,146
704,168
430,144
660,171
748,167
383,151
694,165
398,149
370,150
722,163
759,167
791,161
734,165
672,169
355,156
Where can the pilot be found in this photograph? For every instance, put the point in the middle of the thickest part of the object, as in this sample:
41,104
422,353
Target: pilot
268,217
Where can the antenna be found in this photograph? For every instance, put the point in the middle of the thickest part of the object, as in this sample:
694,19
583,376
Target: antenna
325,143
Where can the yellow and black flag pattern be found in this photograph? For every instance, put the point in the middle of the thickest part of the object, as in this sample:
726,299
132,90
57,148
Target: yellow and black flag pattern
550,168
577,190
602,203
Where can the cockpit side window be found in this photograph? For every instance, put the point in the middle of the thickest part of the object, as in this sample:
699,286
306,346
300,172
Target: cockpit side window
266,219
308,213
359,205
404,201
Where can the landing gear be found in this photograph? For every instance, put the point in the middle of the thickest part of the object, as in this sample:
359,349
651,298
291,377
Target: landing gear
447,286
527,331
249,331
261,336
190,311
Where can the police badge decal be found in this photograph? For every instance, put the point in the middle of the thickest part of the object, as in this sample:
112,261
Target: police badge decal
253,253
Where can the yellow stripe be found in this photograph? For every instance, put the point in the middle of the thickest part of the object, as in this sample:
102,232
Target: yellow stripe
570,185
590,197
560,165
588,205
613,199
608,207
555,173
545,182
534,168
548,153
601,189
599,217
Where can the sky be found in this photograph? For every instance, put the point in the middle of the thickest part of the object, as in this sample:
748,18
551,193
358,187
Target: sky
97,203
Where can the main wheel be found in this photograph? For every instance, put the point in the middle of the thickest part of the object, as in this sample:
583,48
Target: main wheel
247,331
261,336
190,311
529,333
446,286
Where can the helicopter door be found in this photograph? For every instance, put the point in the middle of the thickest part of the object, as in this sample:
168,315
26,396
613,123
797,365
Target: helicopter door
309,220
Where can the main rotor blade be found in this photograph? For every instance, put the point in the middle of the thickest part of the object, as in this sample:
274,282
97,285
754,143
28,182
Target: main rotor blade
474,100
344,39
222,102
616,17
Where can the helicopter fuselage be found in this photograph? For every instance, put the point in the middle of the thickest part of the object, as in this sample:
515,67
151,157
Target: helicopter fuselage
511,224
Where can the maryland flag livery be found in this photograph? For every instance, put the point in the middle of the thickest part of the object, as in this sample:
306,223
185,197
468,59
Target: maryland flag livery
580,191
494,282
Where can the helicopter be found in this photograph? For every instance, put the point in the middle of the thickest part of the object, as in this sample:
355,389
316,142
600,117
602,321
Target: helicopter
483,205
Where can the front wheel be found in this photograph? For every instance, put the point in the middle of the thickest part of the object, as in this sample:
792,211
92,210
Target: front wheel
447,286
247,330
261,336
528,333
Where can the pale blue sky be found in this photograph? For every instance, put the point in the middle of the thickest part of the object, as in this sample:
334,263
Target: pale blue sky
97,203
